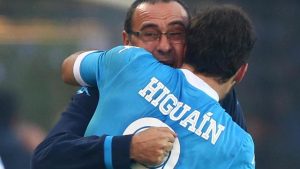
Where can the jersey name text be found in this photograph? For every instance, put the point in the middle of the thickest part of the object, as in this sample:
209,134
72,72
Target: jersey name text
159,95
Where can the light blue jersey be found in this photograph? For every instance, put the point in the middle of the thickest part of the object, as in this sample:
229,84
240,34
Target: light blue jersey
137,91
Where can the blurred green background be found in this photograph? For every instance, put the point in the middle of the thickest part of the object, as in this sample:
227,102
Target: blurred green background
36,35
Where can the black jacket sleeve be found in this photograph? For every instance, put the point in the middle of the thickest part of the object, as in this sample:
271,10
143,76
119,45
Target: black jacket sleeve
66,148
231,105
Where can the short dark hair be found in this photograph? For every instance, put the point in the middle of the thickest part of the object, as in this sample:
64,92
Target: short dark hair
132,8
219,41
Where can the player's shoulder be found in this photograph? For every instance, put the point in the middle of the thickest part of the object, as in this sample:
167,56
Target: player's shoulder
244,148
246,155
246,142
131,51
232,128
238,141
126,48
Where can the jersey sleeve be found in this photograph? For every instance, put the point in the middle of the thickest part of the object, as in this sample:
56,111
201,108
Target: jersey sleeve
85,68
94,68
245,159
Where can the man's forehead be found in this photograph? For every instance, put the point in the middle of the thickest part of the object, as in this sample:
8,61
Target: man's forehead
162,8
170,13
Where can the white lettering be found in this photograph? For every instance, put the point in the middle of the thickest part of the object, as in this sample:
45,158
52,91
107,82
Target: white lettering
206,118
168,104
185,109
150,87
212,129
192,119
169,107
162,95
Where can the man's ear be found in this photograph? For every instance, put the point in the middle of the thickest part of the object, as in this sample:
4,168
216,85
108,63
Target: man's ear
241,73
125,38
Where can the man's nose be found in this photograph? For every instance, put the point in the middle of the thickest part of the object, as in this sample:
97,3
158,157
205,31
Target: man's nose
164,45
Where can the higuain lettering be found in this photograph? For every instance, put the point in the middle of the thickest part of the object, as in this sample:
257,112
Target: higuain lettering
157,94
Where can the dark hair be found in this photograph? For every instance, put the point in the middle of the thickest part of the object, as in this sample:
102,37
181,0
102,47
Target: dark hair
219,41
131,10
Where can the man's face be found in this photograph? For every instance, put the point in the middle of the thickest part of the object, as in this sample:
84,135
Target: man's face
160,18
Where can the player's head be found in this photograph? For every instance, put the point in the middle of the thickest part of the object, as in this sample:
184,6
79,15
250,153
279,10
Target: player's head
147,19
219,43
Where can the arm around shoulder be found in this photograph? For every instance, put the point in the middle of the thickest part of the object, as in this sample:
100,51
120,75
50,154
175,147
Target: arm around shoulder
67,69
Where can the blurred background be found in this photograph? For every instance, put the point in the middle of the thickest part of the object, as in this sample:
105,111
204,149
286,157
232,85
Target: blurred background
36,35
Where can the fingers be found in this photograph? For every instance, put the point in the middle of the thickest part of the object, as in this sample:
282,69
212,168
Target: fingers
152,145
168,147
167,131
169,139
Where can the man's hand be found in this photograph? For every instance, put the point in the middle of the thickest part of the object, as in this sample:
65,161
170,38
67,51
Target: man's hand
149,147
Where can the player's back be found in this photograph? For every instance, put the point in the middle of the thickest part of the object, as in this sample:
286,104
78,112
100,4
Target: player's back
144,93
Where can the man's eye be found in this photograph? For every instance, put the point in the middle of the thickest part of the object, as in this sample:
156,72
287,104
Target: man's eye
154,34
175,33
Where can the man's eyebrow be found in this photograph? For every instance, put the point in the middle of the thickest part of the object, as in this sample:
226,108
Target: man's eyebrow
177,23
149,25
173,23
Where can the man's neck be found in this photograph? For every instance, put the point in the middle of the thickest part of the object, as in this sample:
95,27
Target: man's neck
221,89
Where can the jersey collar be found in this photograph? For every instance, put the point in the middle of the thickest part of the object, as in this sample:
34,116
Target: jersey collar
200,84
